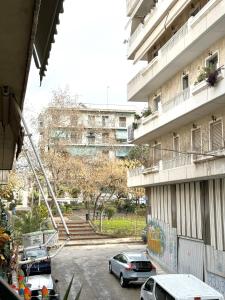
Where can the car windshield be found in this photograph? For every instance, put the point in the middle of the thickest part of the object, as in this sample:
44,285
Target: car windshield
36,253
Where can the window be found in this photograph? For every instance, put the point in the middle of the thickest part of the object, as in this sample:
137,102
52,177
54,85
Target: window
149,285
216,135
157,154
122,121
196,140
212,62
176,145
91,138
161,294
105,120
185,82
91,120
75,137
157,103
105,137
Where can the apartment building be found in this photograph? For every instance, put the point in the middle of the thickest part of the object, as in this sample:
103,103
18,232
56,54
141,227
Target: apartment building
183,44
86,129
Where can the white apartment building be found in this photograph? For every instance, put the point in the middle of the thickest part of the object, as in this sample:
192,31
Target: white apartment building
183,44
86,129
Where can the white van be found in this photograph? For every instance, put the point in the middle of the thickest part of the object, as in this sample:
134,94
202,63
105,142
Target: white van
177,287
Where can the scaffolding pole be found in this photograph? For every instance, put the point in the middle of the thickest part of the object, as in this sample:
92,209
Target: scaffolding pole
26,153
29,135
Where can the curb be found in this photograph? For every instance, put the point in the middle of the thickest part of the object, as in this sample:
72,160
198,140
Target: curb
101,242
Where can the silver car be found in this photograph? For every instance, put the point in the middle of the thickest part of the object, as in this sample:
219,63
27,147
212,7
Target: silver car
131,267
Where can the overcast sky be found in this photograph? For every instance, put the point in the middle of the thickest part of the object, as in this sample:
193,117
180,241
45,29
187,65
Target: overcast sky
88,56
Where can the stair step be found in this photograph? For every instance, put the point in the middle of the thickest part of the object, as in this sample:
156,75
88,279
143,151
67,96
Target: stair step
92,237
79,233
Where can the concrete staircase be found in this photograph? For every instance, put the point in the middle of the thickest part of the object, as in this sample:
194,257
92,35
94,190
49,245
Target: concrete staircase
79,230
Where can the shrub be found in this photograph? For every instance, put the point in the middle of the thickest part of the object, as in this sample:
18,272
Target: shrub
110,212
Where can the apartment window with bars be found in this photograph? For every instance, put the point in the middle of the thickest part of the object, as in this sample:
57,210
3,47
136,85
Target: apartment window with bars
157,154
122,122
105,120
216,135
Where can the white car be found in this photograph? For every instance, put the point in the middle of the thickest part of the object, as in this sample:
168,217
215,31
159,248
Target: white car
36,283
177,287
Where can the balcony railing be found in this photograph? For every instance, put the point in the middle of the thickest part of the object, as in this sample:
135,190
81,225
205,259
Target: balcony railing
131,4
166,48
176,100
179,161
136,171
150,19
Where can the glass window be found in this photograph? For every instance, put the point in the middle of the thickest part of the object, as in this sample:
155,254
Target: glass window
185,82
212,62
149,285
105,120
122,121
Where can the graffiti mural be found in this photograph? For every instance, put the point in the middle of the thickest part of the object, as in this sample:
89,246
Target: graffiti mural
162,243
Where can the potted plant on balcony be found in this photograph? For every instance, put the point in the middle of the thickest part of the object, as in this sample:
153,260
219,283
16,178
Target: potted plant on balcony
134,125
137,116
210,75
146,112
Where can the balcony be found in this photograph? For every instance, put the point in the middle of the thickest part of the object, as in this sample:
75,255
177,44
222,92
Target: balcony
139,7
179,169
183,108
196,35
151,20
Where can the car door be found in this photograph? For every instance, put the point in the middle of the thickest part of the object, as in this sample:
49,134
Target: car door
115,264
148,290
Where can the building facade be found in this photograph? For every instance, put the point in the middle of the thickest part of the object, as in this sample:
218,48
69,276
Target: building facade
183,44
86,130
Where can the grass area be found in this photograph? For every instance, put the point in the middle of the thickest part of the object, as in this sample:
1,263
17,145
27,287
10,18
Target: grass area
130,225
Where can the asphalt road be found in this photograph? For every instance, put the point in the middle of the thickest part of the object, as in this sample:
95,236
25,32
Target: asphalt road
89,264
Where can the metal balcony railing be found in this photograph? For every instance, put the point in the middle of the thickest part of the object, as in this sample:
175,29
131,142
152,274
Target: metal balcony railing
176,100
179,161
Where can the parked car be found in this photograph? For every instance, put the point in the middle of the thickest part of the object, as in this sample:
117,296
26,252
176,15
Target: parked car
35,268
177,286
131,267
36,283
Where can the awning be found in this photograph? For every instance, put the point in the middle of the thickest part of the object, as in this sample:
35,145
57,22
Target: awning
46,29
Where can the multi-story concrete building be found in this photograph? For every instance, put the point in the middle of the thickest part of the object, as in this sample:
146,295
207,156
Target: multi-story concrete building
87,129
183,44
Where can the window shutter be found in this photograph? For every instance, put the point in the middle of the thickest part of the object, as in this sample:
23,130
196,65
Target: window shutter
196,140
157,154
216,137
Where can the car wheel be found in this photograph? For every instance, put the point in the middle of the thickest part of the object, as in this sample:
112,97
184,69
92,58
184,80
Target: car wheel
123,282
110,268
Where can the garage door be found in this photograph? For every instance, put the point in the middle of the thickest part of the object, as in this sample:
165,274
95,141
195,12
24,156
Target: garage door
191,257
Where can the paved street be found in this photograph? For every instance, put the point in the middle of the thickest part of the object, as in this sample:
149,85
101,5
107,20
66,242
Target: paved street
90,266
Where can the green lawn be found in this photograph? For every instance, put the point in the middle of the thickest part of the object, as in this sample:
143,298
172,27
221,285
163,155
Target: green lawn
130,225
